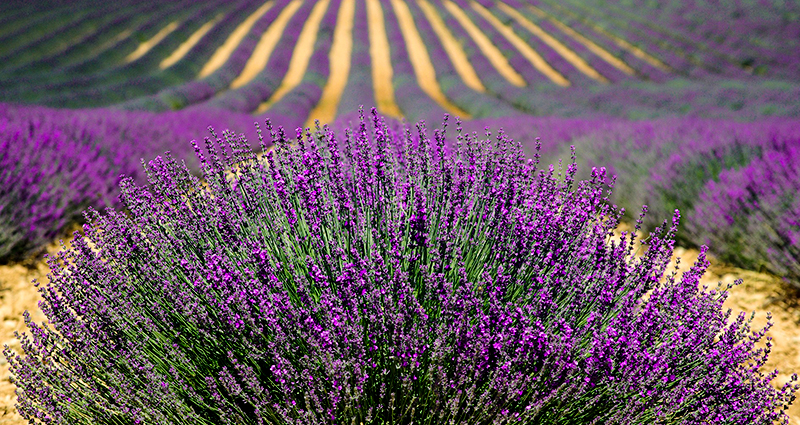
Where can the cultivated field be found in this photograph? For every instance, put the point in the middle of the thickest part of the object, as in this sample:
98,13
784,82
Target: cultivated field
687,105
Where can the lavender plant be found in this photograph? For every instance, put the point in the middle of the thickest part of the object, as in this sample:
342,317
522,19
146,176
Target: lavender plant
381,277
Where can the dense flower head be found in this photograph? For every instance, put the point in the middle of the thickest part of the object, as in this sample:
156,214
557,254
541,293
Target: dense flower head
381,276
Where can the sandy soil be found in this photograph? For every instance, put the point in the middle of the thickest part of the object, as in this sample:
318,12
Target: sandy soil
421,61
225,51
339,57
381,61
565,52
452,47
266,45
759,292
594,48
190,42
492,53
148,45
524,48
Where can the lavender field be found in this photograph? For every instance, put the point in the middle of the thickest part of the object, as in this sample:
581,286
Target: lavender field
399,211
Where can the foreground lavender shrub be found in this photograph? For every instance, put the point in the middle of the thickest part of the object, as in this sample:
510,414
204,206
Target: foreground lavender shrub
380,279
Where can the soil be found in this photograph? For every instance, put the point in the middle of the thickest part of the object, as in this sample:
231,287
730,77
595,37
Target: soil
759,292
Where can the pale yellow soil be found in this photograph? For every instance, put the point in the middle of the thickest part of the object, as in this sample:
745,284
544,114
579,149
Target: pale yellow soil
300,56
339,57
266,45
381,62
567,53
17,294
524,48
492,53
594,48
453,48
224,51
190,42
421,60
146,46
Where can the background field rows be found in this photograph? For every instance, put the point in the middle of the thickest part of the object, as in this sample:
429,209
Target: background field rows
148,57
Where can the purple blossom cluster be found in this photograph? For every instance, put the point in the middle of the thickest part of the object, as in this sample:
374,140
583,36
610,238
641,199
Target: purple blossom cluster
55,163
381,276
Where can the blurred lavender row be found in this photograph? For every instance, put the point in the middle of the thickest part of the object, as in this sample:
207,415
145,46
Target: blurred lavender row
55,163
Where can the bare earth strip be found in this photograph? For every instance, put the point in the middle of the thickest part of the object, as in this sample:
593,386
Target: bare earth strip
266,45
554,44
300,56
190,42
589,44
635,51
759,292
421,60
453,48
381,61
340,58
146,46
492,53
224,52
524,48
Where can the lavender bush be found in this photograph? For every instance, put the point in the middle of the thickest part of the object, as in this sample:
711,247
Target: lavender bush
382,277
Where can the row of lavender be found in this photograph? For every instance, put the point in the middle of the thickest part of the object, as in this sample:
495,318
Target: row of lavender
699,37
142,84
735,182
378,276
56,163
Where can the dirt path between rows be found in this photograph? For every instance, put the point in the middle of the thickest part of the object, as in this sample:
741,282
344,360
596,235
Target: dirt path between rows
759,292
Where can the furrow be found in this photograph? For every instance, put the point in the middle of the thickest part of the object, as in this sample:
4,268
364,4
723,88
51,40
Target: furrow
421,61
452,47
554,44
381,61
190,42
266,45
302,54
340,58
145,46
524,48
223,53
589,44
492,53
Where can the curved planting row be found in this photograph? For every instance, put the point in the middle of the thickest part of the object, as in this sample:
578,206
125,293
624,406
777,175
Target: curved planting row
138,72
736,183
759,38
55,163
